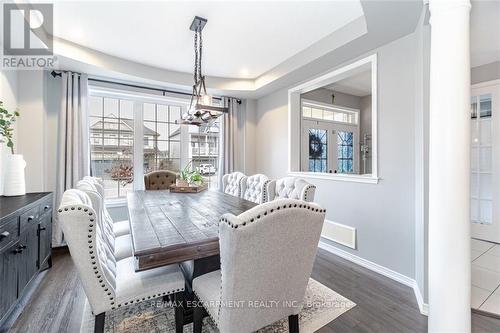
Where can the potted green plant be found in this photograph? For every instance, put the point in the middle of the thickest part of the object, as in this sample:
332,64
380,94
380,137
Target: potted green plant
14,167
188,177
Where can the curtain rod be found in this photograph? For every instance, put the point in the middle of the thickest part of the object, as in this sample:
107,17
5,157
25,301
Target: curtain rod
56,74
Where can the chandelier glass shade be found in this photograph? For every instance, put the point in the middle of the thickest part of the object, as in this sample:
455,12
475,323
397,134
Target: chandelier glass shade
201,108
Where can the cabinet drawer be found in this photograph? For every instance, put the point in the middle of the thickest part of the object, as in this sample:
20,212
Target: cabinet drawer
28,218
9,232
46,206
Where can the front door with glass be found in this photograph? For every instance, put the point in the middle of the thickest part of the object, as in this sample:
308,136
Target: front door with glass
329,147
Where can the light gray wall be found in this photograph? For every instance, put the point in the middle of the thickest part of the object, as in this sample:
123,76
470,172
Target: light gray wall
324,95
32,128
383,214
485,73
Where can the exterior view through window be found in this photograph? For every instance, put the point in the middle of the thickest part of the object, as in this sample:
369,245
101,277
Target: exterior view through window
166,145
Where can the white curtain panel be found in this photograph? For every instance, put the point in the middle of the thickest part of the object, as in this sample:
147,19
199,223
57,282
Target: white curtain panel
231,149
73,153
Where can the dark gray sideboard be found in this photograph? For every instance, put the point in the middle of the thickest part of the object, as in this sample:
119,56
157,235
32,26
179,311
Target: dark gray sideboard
25,245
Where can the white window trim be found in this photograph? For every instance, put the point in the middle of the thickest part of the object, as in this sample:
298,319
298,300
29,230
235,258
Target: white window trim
295,114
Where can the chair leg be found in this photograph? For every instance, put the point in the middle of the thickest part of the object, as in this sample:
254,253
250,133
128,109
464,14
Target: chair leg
179,312
293,324
168,298
99,323
197,316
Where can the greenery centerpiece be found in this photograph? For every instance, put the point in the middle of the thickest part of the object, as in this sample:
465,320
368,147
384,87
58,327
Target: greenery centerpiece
190,177
7,120
13,182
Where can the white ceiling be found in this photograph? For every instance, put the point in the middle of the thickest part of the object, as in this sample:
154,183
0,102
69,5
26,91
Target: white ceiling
485,32
241,39
357,85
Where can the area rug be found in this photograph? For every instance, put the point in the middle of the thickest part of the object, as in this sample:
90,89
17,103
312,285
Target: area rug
321,306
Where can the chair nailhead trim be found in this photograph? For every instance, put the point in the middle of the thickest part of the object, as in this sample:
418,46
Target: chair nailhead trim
149,297
90,235
306,190
98,275
218,309
244,223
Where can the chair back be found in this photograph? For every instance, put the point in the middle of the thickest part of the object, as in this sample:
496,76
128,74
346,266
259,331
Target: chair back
98,204
92,257
291,188
159,180
255,188
267,254
98,183
232,183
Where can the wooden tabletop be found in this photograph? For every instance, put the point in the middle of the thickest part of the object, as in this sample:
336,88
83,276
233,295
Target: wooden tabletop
170,227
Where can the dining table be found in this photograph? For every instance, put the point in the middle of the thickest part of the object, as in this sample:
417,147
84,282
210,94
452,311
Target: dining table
179,228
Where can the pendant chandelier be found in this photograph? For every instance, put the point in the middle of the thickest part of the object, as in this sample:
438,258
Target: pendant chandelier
201,109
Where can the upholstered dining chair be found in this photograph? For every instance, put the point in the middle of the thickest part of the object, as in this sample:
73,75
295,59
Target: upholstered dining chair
255,188
290,188
159,180
121,245
267,254
233,183
110,284
120,227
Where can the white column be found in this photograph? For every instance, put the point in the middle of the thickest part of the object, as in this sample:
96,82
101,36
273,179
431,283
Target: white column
449,168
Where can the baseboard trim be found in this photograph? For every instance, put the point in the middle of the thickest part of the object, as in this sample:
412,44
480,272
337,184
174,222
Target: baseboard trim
387,272
423,307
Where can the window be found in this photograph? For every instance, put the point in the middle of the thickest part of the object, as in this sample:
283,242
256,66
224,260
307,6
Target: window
204,144
162,139
344,152
318,150
119,146
111,143
322,111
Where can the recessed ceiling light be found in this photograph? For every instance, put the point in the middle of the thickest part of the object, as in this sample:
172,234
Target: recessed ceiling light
244,71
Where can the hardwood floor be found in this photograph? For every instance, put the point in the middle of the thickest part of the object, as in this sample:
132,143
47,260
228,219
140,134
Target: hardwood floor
383,305
57,304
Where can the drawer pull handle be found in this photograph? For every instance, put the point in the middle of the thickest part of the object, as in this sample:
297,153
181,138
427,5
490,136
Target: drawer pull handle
22,247
4,234
31,218
43,228
17,251
46,207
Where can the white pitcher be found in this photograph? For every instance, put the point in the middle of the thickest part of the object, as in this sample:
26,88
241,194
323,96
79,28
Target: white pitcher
14,183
